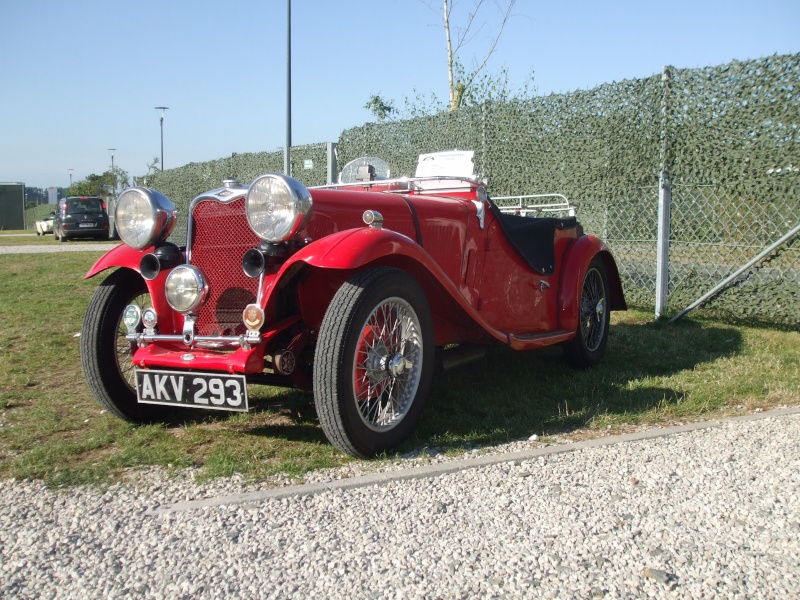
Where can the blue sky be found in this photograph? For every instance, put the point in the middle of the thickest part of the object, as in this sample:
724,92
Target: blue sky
80,76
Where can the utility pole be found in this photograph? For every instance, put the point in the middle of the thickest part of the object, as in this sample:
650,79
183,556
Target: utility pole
287,152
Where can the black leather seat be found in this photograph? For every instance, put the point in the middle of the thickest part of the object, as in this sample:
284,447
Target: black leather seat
533,237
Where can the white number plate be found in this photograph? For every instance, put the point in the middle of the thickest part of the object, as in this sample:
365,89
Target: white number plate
85,224
196,390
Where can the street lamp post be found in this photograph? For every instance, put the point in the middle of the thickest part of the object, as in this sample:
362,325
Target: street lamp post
70,176
287,152
163,110
112,150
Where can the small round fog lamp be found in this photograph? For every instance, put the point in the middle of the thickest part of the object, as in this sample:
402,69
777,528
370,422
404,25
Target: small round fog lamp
132,316
253,317
149,318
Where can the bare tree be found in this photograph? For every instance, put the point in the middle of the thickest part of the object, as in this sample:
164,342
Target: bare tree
459,80
465,87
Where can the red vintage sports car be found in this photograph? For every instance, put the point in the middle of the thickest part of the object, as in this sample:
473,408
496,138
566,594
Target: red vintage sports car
357,291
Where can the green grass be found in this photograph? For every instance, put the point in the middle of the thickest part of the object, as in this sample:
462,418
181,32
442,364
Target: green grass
52,429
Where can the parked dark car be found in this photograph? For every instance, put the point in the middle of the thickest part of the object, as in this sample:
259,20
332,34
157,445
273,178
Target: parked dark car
81,216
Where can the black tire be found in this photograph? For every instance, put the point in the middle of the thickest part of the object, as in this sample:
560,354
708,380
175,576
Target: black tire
106,354
589,344
62,237
371,382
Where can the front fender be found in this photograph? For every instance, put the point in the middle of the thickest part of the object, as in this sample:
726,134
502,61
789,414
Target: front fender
338,253
129,258
121,256
576,262
354,248
343,252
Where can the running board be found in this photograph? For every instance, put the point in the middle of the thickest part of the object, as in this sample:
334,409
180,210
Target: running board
456,357
538,340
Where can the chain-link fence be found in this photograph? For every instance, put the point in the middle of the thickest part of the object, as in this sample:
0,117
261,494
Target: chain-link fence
714,232
628,223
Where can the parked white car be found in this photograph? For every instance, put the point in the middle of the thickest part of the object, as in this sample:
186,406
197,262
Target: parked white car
46,225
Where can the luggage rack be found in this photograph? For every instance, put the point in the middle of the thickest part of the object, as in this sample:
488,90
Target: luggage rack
536,205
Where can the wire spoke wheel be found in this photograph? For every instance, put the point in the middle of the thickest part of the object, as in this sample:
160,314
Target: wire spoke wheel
373,363
593,309
388,364
106,356
125,349
591,336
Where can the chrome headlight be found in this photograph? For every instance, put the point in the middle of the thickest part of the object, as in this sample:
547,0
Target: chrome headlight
143,217
185,288
277,206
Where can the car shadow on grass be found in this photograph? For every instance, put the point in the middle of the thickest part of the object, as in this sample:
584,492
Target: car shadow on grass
510,395
279,413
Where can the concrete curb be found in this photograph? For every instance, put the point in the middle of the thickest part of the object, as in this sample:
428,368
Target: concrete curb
48,249
454,466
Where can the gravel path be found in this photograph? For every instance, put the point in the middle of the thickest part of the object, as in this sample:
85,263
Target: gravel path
699,513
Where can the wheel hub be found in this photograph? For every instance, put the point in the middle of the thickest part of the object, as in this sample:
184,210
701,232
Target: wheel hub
380,363
387,363
374,363
396,365
600,309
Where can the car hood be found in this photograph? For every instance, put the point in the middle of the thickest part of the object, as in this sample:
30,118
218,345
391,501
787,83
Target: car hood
430,221
438,224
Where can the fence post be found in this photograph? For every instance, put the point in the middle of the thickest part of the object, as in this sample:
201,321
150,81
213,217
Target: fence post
662,251
333,176
664,201
485,171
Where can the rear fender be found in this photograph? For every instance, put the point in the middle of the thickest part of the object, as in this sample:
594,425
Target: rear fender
576,262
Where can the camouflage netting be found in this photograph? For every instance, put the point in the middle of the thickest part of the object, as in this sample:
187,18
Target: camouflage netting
183,184
727,136
734,153
577,144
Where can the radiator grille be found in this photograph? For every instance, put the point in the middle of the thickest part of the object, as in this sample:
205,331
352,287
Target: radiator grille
220,237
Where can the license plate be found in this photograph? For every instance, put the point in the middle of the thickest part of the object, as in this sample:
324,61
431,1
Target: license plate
85,224
196,390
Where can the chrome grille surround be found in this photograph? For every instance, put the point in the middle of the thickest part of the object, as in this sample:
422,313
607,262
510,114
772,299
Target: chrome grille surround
217,238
